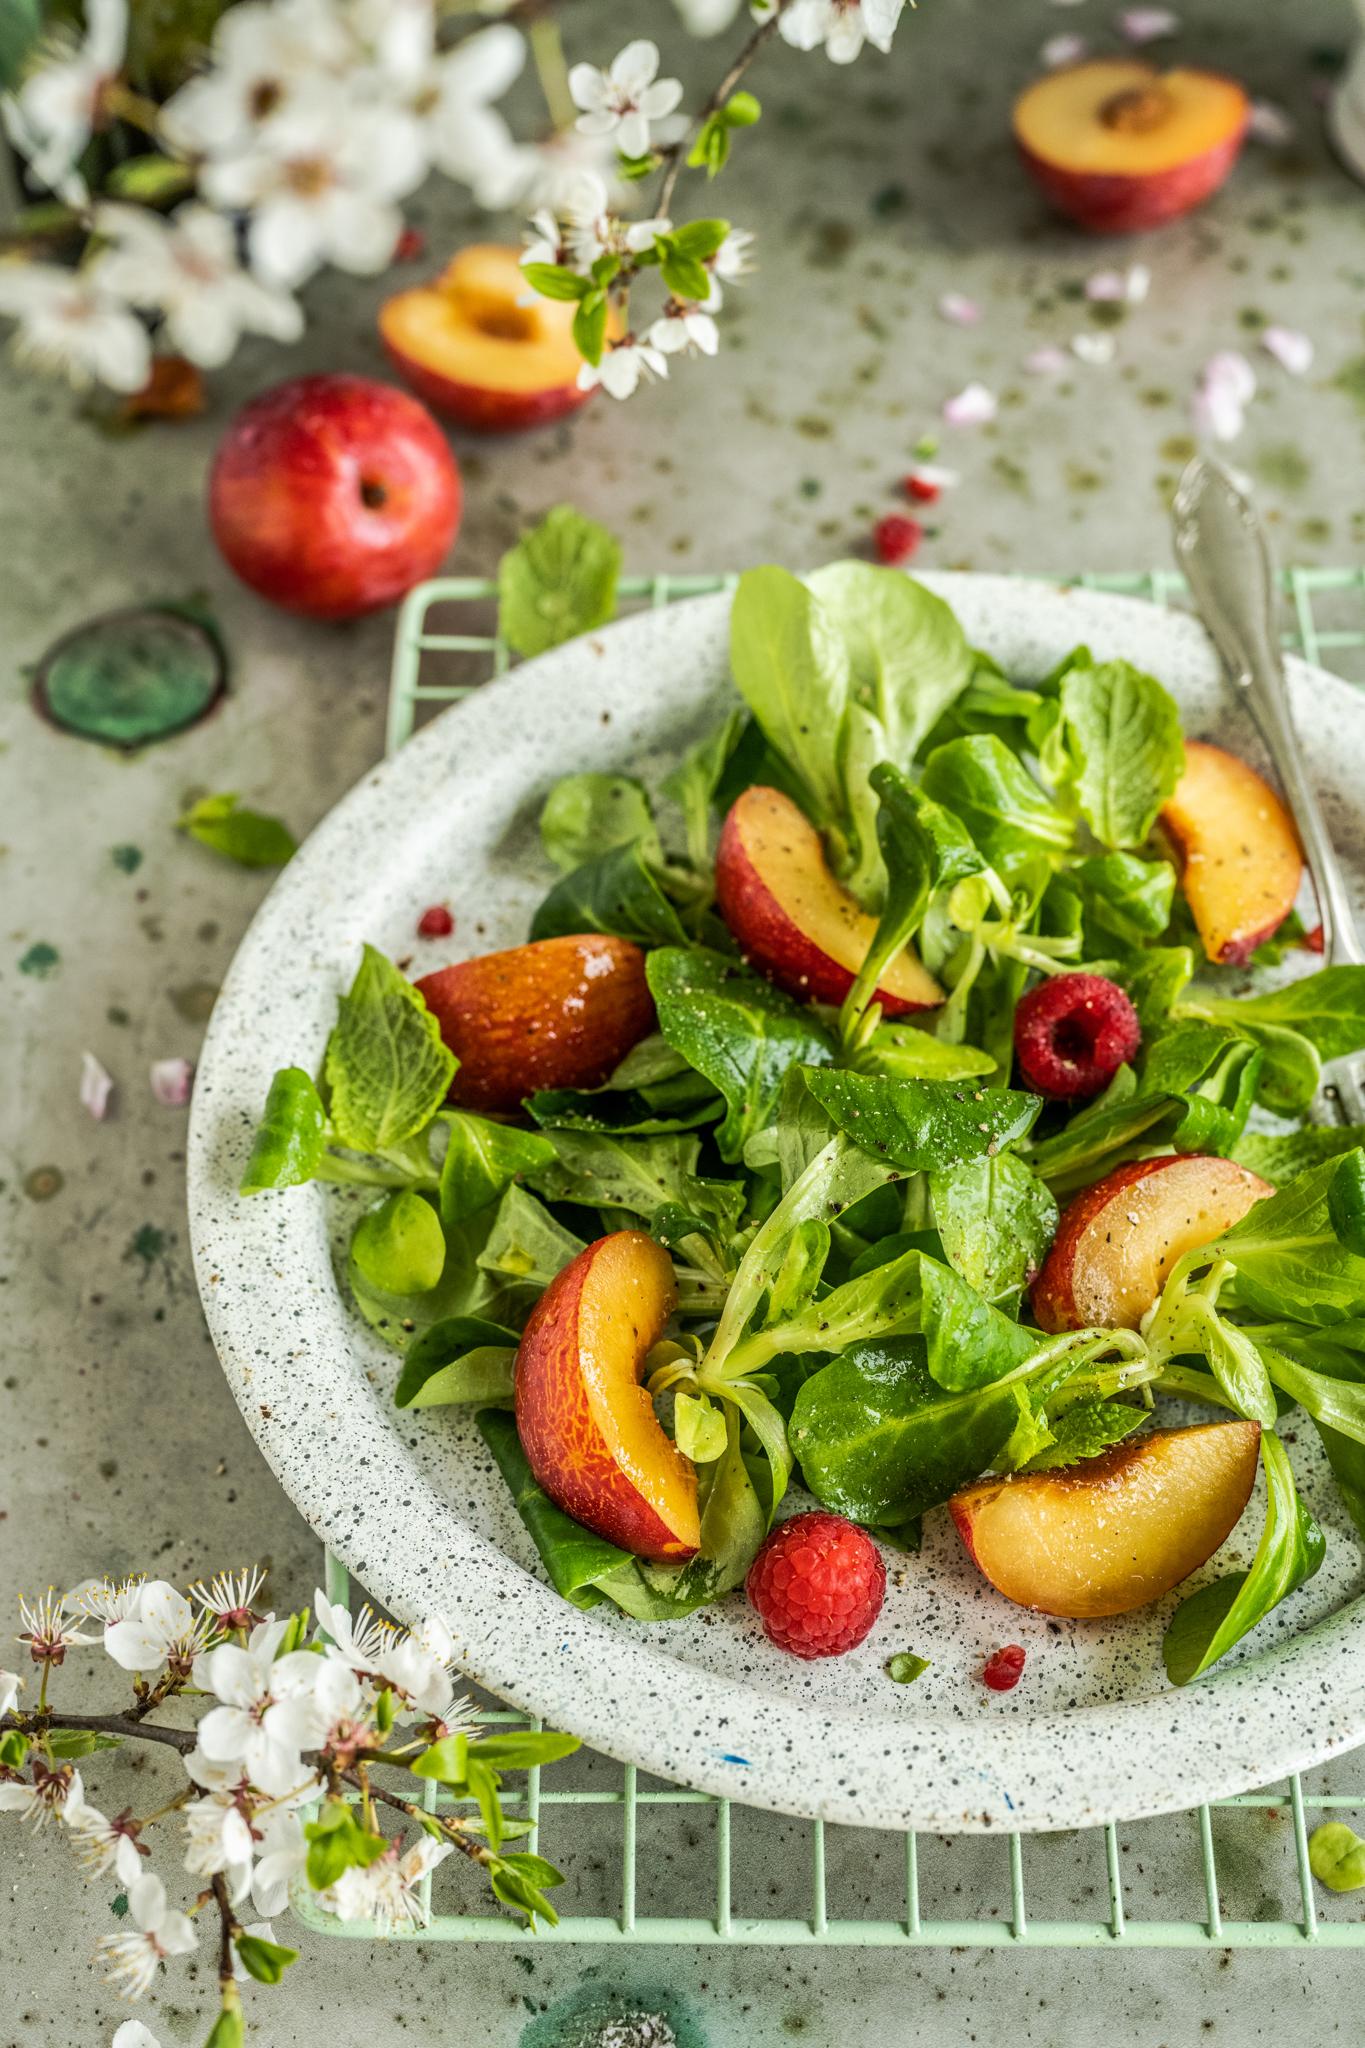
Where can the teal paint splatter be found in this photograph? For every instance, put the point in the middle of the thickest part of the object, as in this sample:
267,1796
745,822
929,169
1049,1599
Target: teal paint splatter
647,2016
41,960
146,1244
127,858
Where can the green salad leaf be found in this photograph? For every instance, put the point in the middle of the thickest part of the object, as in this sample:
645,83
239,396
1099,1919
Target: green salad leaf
791,667
1123,748
922,1126
226,825
482,1159
400,1247
291,1135
585,815
558,581
990,791
907,653
386,1067
997,1220
1085,1430
617,892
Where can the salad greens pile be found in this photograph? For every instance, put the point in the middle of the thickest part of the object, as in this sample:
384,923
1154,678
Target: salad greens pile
855,1207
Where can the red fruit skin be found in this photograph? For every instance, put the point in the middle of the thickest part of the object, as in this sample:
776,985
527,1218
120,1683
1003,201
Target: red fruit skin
1003,1670
1121,204
436,923
770,940
817,1585
921,490
289,487
896,539
1072,1034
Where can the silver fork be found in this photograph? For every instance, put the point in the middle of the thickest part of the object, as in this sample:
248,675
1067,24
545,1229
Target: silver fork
1221,546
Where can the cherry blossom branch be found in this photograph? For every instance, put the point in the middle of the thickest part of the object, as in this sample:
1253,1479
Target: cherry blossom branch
450,1824
127,1726
673,151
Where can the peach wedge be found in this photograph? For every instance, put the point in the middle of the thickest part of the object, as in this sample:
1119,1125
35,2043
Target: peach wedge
587,1425
559,1013
793,920
1240,860
1114,1532
1117,1242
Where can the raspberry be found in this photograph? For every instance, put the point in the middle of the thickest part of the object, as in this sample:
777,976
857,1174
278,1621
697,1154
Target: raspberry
1312,941
436,923
896,538
817,1585
921,488
1003,1669
1073,1033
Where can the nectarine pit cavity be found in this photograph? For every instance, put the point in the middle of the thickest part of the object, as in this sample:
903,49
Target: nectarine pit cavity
1138,110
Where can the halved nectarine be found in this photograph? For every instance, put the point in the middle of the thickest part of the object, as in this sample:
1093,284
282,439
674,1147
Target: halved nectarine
1241,864
1117,145
1114,1532
481,347
559,1013
1117,1242
586,1424
793,920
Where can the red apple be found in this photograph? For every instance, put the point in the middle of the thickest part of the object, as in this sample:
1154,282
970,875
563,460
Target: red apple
1114,1532
482,347
1117,145
586,1424
1117,1242
333,495
560,1013
1240,859
793,920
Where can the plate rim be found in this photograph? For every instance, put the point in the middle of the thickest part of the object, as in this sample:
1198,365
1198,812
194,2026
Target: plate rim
921,1770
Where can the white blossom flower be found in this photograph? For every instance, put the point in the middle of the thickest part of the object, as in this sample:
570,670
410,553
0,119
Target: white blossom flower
622,367
550,166
360,1642
1226,387
186,268
267,1712
623,100
130,1958
973,406
102,1844
172,1080
1292,351
229,1598
282,1852
10,1682
102,1600
684,327
591,229
386,1891
69,323
542,241
132,2034
48,1792
266,53
706,18
465,137
160,1628
218,1839
321,181
843,26
97,1085
48,1628
59,106
729,265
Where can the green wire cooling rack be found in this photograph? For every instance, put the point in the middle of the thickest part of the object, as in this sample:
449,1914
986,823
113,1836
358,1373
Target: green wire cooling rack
643,1857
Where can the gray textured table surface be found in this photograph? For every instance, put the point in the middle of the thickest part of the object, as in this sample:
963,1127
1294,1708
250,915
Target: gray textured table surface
874,190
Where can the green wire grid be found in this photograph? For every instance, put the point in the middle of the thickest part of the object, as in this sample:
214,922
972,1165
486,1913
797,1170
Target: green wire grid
631,1846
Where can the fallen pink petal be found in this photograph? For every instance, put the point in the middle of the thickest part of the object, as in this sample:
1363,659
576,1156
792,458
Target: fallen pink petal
1059,51
172,1081
1270,123
1094,348
1046,362
1106,284
973,406
97,1085
1292,351
1226,387
1147,24
961,311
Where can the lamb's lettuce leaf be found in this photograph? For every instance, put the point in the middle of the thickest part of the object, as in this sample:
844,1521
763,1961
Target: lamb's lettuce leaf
791,667
997,1220
291,1135
482,1159
1122,748
908,656
587,815
617,892
558,581
993,795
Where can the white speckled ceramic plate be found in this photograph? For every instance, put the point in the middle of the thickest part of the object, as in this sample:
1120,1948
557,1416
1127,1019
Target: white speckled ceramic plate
411,1502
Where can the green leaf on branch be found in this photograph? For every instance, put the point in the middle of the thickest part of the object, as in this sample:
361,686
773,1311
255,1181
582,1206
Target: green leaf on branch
290,1137
14,1747
590,329
229,2029
229,827
560,578
386,1066
555,281
266,1961
149,180
68,1745
523,1749
337,1842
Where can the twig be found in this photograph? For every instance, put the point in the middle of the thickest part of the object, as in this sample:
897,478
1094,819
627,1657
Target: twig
43,1722
717,100
450,1824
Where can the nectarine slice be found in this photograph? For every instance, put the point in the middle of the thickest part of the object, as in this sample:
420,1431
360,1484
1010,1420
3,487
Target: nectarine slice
1240,859
559,1013
793,920
1117,145
1114,1532
1117,1242
586,1424
481,347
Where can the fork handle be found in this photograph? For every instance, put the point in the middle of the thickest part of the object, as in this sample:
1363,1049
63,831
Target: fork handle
1221,546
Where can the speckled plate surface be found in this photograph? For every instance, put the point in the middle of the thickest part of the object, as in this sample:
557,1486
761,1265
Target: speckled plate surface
411,1502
